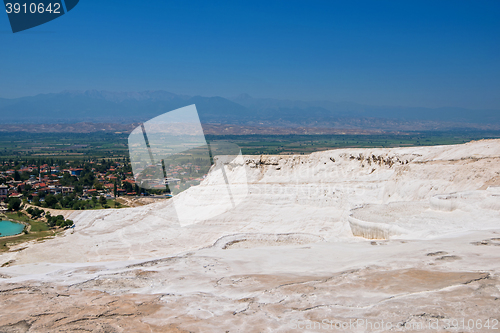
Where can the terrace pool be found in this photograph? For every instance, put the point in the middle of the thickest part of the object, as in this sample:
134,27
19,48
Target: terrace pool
8,228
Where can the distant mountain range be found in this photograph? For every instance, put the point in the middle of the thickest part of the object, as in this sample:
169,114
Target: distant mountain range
130,107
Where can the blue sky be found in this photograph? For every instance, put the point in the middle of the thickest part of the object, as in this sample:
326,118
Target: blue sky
407,53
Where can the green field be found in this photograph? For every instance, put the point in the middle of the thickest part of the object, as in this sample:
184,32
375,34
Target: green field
306,144
67,146
76,146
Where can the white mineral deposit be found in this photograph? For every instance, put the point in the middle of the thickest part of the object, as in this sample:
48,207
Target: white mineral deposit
400,239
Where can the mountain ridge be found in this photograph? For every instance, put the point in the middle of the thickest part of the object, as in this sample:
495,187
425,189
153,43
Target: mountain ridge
128,107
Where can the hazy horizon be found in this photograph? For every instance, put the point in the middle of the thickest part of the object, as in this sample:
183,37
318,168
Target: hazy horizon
246,95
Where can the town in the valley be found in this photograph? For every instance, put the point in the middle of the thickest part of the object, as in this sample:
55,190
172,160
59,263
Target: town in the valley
78,185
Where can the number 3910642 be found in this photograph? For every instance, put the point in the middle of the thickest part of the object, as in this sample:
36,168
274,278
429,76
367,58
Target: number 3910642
33,8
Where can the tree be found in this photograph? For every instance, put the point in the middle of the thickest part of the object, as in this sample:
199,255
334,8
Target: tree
14,204
103,201
115,189
98,185
51,201
78,189
17,176
128,187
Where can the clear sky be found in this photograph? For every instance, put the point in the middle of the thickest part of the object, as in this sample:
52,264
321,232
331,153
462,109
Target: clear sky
408,53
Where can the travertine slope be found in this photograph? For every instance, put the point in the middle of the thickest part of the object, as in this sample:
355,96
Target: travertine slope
405,235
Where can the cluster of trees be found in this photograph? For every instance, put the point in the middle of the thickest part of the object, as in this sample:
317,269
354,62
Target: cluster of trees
35,212
52,221
58,221
14,204
71,201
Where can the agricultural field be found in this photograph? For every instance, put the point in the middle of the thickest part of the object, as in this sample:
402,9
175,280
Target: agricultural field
66,146
306,144
109,145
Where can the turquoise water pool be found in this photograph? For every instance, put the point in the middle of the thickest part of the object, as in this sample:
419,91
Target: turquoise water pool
8,228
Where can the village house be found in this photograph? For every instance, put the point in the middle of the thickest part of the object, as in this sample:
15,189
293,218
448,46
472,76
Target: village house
4,191
75,171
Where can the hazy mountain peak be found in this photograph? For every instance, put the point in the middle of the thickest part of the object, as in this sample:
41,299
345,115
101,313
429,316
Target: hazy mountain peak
125,107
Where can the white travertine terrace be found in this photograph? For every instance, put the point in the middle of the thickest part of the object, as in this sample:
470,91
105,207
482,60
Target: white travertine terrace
302,244
313,194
